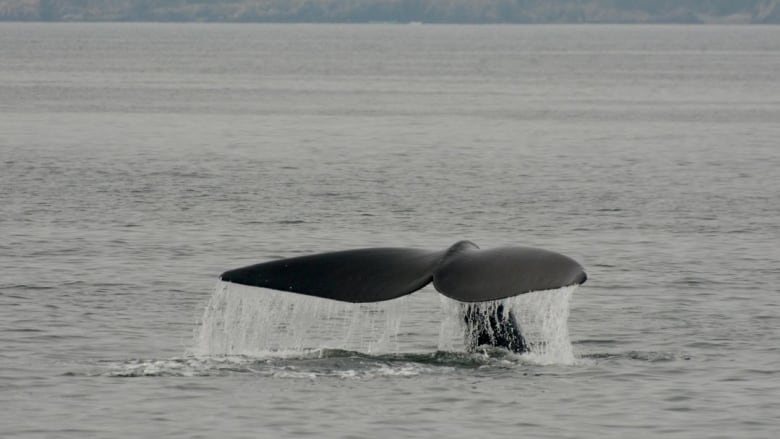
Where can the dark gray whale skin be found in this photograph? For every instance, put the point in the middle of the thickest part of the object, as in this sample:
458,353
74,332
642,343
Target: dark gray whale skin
493,328
463,272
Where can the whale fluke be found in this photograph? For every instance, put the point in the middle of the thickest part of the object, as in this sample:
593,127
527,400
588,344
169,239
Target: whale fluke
364,275
462,272
469,274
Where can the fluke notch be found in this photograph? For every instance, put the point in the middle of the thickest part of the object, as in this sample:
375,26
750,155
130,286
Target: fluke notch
463,272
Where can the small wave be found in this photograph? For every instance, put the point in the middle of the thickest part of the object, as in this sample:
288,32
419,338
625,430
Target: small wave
321,364
650,357
182,367
596,341
300,368
26,287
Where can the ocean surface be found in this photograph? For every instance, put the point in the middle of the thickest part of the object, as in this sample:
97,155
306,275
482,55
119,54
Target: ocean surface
139,161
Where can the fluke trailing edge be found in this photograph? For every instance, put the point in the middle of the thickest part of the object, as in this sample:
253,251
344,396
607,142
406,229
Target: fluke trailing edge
463,272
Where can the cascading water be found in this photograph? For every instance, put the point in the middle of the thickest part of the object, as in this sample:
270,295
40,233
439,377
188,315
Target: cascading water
241,320
542,317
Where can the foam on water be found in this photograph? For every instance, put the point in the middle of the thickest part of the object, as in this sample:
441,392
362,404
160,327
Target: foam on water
331,365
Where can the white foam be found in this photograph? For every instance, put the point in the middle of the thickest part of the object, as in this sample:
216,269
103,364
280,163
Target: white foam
361,369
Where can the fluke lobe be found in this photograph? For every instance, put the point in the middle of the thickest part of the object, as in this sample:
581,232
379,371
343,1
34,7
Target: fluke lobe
463,272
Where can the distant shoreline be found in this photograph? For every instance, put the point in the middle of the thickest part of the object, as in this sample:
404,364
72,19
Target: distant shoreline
395,11
392,23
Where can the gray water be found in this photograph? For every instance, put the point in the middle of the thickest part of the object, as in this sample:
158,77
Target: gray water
139,161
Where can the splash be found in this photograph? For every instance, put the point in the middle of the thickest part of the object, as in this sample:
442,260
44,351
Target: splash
542,317
247,321
242,320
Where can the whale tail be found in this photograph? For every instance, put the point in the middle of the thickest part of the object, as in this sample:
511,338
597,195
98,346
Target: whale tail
493,326
463,272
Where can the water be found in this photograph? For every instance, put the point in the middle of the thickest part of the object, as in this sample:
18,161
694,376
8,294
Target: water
139,161
241,320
